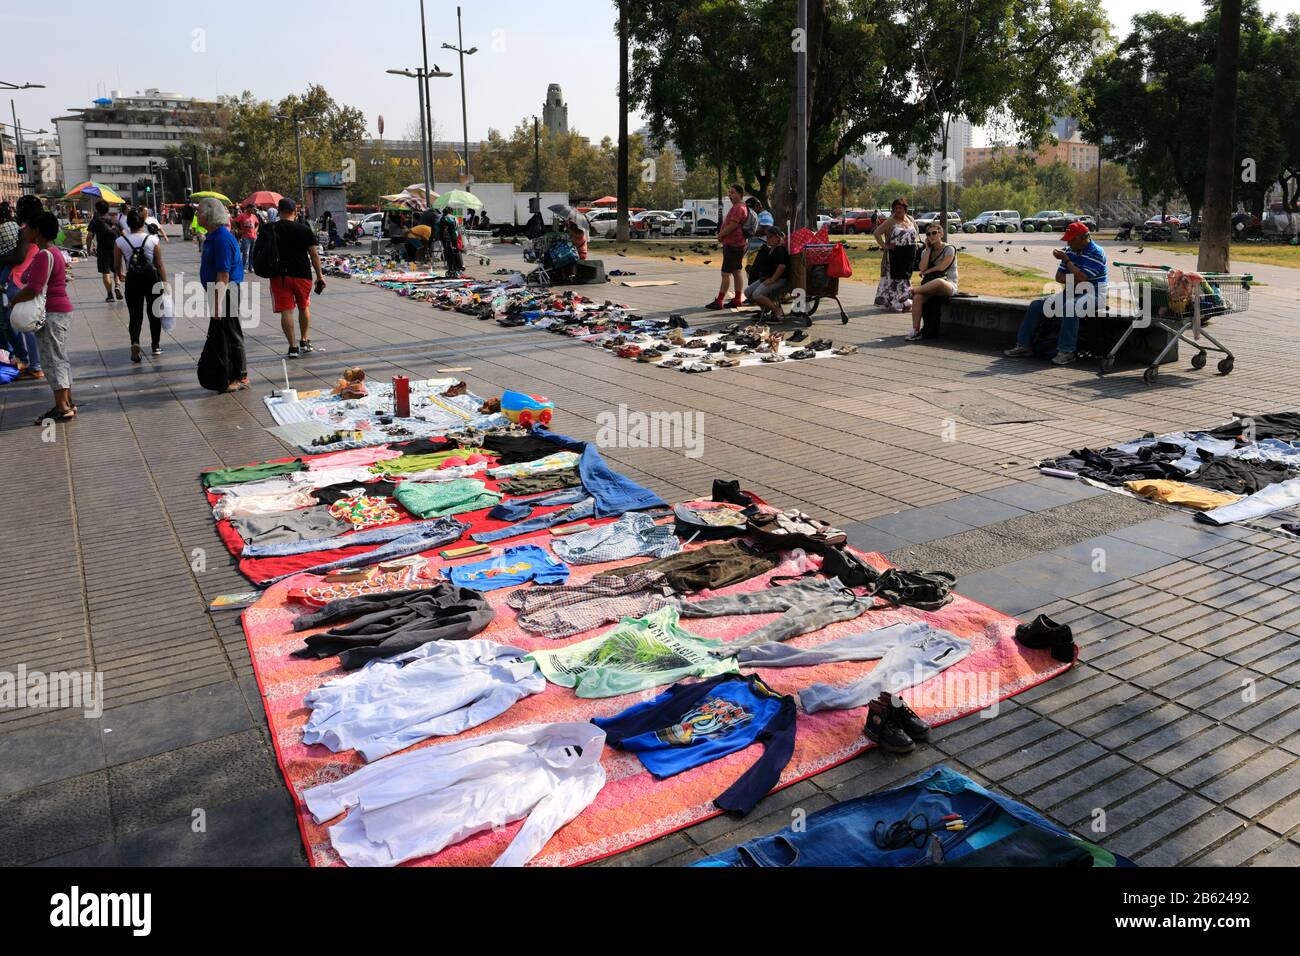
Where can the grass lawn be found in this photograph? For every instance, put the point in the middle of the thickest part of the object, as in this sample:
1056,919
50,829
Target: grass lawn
1269,254
976,275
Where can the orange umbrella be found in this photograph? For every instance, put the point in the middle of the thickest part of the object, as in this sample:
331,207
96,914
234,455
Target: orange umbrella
261,199
605,201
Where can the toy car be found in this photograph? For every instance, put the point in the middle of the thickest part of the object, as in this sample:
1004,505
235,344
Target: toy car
527,410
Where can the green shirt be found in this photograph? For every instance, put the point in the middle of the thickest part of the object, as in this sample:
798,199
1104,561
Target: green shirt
242,473
637,654
408,464
437,498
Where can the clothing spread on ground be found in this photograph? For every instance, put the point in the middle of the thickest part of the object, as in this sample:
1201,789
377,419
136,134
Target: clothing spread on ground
439,498
436,690
381,625
638,654
511,568
691,724
1244,469
558,612
712,566
415,804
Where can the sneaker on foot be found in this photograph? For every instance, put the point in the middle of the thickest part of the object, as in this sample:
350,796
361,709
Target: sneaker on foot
1064,358
293,351
109,297
157,350
117,293
715,305
913,336
1020,351
136,353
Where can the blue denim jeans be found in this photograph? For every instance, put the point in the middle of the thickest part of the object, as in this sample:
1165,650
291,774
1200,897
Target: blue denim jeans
1069,337
22,345
413,542
584,509
246,251
843,834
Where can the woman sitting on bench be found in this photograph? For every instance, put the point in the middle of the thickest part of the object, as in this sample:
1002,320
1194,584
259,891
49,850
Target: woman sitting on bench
938,277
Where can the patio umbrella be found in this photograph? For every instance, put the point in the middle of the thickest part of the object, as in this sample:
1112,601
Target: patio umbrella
91,188
565,211
209,194
605,201
458,198
261,199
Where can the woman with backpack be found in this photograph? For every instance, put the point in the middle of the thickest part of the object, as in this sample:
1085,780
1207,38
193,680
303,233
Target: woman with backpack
138,262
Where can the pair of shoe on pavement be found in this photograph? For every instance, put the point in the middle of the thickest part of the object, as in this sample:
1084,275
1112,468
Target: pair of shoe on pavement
893,726
717,304
1045,634
1021,351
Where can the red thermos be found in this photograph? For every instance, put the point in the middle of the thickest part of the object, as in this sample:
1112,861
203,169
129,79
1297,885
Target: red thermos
401,396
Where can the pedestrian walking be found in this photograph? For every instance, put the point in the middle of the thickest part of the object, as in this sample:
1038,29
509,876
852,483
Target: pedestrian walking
246,226
291,290
138,263
104,232
449,236
223,365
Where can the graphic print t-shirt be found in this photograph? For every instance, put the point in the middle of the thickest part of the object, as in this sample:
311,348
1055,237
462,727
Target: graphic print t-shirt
511,567
637,654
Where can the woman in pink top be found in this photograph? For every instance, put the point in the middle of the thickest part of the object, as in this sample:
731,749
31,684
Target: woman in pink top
48,273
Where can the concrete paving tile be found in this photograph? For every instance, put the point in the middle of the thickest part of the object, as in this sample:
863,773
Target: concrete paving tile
256,831
54,819
31,758
173,721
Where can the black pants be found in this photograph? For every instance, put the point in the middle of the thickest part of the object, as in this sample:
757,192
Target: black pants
140,300
452,255
233,333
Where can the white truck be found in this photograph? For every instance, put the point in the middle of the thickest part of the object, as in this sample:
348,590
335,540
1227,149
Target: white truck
507,208
699,217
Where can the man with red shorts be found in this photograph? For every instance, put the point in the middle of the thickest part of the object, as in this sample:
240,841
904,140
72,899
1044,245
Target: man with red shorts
299,257
733,239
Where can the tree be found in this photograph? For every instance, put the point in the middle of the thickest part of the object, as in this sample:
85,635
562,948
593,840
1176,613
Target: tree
1216,232
624,148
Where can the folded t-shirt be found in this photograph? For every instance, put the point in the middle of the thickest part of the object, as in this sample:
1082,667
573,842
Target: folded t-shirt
435,499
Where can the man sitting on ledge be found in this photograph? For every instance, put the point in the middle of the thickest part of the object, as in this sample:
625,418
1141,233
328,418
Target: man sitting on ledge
1083,273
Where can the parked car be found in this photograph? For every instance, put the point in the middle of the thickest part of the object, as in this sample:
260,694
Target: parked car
926,218
604,223
653,222
1042,221
856,221
823,221
994,220
371,225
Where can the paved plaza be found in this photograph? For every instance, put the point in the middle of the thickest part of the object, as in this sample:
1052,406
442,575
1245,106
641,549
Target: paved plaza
1181,721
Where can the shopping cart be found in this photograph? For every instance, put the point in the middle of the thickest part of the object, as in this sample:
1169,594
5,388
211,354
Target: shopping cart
1177,301
477,242
808,276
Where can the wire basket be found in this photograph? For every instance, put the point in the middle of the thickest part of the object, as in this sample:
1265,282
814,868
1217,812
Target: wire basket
1177,290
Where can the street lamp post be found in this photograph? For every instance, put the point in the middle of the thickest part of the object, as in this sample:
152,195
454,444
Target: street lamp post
459,48
421,76
297,148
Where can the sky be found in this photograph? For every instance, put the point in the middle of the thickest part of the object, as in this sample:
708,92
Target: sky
276,47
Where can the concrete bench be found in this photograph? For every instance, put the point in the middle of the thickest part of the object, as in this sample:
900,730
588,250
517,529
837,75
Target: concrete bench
994,321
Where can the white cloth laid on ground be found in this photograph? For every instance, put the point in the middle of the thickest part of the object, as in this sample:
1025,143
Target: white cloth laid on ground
1276,497
233,506
560,461
415,804
436,690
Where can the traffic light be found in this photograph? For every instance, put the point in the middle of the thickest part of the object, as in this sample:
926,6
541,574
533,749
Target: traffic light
148,189
20,161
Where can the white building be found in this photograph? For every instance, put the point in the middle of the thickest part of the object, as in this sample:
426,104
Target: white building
679,164
885,166
113,140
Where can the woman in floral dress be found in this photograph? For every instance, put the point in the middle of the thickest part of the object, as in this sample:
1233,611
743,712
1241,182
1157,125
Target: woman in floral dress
898,232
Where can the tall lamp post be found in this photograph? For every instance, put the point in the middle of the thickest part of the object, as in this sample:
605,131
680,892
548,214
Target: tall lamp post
297,148
464,116
421,76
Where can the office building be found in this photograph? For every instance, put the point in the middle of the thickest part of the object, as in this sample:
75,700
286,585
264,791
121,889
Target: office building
113,140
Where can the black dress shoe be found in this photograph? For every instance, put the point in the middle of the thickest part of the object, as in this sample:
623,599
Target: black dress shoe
1043,632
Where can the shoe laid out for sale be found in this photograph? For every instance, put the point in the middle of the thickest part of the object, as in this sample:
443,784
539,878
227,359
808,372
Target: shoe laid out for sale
882,728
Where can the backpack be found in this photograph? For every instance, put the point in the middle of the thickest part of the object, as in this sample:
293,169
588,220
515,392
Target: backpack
138,264
266,253
750,228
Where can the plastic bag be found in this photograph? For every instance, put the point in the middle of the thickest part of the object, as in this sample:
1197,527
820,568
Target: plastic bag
839,266
166,311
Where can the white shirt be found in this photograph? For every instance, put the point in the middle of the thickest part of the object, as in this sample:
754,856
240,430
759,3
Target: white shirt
415,804
232,506
134,240
436,690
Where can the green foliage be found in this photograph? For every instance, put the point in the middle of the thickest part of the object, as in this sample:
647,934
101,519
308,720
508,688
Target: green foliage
568,161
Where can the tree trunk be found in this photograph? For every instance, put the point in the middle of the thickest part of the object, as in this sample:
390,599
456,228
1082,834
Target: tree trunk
624,192
784,198
1216,227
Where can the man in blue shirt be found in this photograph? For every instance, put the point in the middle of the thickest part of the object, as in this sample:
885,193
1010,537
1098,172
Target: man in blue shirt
1083,273
221,270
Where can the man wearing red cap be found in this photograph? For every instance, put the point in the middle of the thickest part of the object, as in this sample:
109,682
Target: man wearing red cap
1083,273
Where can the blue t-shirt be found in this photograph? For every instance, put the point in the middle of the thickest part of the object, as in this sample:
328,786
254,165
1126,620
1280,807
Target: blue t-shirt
221,254
512,566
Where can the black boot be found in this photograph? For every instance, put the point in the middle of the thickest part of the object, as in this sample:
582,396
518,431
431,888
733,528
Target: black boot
905,717
883,729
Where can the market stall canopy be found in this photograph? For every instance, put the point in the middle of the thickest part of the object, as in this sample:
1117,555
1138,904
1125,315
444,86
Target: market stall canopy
458,198
605,201
261,199
91,188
